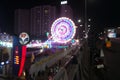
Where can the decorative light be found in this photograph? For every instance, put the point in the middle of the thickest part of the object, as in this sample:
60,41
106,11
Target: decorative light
7,62
2,63
79,20
22,60
63,30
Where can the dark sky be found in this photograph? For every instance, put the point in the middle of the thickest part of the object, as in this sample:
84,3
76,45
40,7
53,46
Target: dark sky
104,13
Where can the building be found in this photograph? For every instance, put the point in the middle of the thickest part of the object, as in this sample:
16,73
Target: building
42,18
35,21
66,10
22,21
0,30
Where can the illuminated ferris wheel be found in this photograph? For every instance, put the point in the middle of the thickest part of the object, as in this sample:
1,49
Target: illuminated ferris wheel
63,30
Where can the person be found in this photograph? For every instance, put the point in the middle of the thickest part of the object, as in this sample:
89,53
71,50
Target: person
107,42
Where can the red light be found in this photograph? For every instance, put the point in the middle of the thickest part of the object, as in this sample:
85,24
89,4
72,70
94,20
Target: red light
22,60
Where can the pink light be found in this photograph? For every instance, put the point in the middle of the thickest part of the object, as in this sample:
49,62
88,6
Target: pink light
63,30
22,60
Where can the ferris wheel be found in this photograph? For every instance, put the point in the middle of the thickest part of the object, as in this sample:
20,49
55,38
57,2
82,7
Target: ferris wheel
63,30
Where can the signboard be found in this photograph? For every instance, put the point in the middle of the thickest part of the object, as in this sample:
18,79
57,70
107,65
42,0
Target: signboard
111,33
19,55
63,2
16,55
23,38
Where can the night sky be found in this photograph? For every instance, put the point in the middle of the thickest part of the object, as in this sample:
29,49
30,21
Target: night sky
105,13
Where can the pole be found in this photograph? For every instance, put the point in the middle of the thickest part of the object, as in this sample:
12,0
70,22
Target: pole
86,27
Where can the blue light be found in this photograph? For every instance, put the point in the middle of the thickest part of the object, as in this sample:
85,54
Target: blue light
73,41
7,62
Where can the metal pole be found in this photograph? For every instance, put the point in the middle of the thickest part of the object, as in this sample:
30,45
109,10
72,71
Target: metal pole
86,27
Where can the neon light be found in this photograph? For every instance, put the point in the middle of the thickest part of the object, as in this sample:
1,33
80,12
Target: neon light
16,59
22,60
63,30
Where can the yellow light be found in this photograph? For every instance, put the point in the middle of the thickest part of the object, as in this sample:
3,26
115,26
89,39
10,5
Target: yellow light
108,44
16,59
